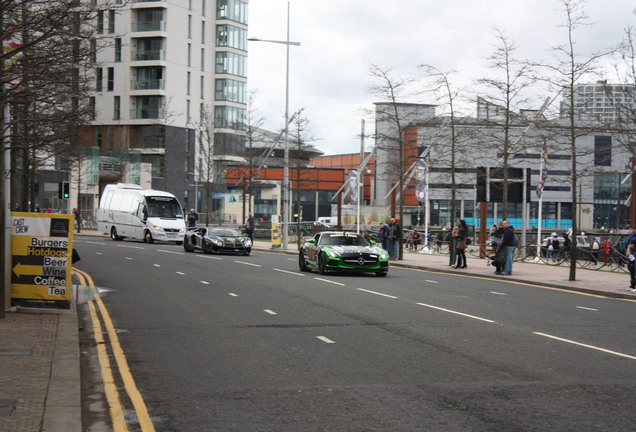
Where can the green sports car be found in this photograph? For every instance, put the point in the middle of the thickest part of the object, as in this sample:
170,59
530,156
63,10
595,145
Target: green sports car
342,251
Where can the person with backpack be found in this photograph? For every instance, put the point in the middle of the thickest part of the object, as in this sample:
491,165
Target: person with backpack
621,249
510,244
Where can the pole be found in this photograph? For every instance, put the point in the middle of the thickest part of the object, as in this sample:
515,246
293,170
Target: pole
5,290
360,175
286,167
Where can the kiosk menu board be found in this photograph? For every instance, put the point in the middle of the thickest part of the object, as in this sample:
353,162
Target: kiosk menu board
41,254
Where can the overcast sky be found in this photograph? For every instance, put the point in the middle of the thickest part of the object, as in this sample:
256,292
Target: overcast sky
329,75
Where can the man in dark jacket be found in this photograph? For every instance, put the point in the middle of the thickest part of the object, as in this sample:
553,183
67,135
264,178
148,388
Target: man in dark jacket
510,244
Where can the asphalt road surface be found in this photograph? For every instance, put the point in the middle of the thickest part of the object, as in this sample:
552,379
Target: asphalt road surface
233,343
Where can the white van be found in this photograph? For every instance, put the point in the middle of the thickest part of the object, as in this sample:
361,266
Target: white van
330,221
128,211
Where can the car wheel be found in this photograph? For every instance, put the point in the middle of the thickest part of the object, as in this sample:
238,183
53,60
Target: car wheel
302,264
148,237
322,265
381,273
113,234
186,245
204,247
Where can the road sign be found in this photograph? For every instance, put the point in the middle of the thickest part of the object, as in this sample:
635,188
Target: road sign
41,252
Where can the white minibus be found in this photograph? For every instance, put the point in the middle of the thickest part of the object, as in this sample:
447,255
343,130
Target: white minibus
128,211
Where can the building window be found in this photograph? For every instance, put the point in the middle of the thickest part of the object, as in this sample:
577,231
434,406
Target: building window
100,22
98,136
202,87
99,79
229,117
231,63
117,49
602,151
202,59
203,32
230,90
92,107
93,50
189,55
111,21
188,83
235,10
187,140
111,79
188,111
230,36
110,136
117,108
189,26
202,7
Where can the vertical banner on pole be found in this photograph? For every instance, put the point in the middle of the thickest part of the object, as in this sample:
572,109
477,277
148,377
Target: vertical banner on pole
353,184
41,258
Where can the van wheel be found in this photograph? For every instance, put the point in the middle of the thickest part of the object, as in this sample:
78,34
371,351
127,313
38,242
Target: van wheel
113,234
148,237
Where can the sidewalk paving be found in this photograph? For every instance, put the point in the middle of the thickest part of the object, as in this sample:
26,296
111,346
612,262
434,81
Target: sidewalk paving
40,385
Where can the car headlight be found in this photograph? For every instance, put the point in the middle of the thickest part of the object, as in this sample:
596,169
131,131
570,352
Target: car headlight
216,241
247,242
384,255
332,253
157,228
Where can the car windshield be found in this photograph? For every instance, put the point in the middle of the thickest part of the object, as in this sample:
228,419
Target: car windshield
343,240
224,232
164,207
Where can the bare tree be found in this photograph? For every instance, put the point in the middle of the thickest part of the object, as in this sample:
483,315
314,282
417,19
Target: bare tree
568,68
253,122
511,79
390,141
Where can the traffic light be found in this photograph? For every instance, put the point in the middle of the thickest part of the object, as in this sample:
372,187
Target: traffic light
64,190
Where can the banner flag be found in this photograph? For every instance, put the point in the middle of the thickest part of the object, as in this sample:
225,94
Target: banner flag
543,171
420,182
353,183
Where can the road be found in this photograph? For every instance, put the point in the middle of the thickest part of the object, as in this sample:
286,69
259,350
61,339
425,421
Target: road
227,343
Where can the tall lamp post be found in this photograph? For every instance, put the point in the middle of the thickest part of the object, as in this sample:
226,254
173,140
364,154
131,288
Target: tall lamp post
285,191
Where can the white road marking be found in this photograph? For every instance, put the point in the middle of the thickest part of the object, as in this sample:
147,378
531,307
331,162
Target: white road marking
209,257
129,258
249,264
585,345
329,281
92,242
233,295
98,253
130,247
587,308
288,272
377,293
157,265
498,293
430,281
205,282
271,312
180,273
172,252
325,339
456,313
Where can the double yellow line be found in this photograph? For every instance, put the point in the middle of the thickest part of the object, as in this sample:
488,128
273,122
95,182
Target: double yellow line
110,387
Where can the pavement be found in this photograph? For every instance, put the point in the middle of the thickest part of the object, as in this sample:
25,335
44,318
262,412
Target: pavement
40,384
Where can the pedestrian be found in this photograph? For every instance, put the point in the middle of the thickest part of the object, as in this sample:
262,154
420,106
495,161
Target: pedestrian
509,242
249,227
606,247
393,240
37,208
621,249
193,218
553,248
452,245
566,245
462,233
631,265
383,238
493,228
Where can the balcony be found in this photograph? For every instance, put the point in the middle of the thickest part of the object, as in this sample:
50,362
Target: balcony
148,55
147,26
141,113
148,84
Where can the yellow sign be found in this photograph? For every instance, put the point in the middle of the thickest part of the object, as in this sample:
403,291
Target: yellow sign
41,254
276,232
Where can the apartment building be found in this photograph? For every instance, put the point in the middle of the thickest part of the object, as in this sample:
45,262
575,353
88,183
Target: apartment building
602,101
170,81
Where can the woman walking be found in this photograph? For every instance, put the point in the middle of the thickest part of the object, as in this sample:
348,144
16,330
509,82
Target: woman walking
462,233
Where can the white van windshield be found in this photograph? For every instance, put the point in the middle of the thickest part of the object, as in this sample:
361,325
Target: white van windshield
164,207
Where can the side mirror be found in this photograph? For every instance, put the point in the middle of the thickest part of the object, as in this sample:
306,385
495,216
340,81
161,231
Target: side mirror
372,242
313,240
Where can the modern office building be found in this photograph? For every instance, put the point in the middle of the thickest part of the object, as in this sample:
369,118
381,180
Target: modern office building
169,96
602,101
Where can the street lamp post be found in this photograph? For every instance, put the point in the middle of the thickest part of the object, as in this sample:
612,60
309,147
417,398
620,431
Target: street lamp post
285,191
